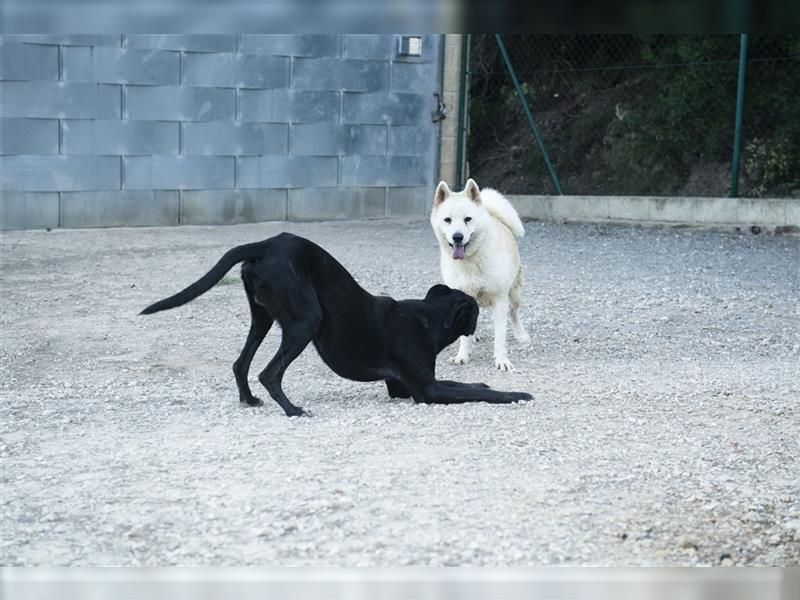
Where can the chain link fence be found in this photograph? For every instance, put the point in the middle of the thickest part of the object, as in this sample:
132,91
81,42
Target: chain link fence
635,114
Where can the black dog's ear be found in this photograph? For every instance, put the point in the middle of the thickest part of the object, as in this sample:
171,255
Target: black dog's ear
466,311
437,291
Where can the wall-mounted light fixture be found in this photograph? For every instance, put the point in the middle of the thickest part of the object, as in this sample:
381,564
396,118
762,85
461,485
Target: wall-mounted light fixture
410,45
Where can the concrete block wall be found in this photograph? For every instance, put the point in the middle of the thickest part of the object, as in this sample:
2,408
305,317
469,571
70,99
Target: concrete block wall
106,130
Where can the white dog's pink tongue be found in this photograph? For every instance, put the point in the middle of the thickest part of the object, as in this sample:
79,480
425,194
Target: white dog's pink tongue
458,252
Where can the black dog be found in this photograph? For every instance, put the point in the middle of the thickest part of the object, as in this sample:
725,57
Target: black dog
358,335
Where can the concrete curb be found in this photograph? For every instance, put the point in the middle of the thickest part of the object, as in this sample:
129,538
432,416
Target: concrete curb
738,212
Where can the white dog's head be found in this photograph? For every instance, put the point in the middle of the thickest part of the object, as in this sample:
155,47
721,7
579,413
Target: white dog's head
458,218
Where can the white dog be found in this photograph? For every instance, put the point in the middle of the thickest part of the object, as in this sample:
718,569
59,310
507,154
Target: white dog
479,256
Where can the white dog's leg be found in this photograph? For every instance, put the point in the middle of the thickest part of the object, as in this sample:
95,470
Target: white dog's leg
500,312
519,331
516,300
464,349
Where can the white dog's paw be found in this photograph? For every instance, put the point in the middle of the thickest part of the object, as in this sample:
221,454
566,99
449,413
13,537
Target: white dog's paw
525,342
459,359
476,338
503,364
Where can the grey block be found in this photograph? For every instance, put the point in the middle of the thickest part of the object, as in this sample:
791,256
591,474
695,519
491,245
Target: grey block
365,139
49,99
212,207
60,173
212,70
67,40
386,107
566,208
409,201
714,210
674,209
537,207
188,42
284,106
329,139
288,171
235,139
109,101
412,140
120,137
404,171
338,74
28,136
120,65
178,172
757,211
375,47
77,63
253,71
793,212
633,208
248,172
336,203
120,208
28,210
416,77
28,61
236,70
173,103
290,45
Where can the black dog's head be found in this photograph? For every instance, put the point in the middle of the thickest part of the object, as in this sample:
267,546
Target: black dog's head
460,312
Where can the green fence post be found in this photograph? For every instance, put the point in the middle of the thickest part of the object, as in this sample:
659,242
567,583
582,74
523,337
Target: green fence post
737,128
527,110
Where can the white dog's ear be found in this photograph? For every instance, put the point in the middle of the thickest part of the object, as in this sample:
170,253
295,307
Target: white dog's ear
442,192
472,191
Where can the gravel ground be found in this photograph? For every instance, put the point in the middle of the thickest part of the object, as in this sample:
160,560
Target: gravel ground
664,431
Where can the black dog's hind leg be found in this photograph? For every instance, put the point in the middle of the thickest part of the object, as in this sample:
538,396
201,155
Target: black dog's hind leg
294,341
260,323
299,322
397,389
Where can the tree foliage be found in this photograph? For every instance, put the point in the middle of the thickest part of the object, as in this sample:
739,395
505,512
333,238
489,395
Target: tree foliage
673,98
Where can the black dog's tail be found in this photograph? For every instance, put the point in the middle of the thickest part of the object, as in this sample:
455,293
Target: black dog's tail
207,281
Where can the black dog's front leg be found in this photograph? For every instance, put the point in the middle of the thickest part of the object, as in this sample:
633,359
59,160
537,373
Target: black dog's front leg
458,384
397,389
442,393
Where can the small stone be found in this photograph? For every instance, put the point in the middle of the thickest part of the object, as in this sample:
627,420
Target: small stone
726,555
688,542
792,524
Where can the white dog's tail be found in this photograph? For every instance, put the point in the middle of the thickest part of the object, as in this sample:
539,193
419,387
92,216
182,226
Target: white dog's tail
499,206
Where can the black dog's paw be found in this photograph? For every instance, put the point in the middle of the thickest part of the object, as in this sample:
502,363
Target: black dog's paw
523,396
252,401
296,411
